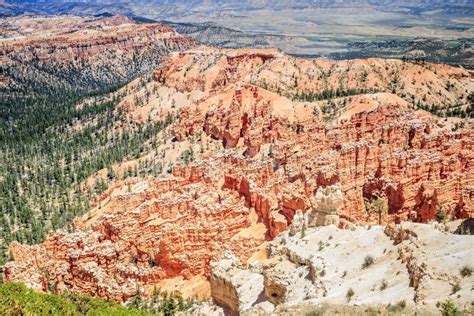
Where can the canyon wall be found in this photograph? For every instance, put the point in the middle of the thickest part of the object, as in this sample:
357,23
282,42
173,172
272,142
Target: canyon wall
278,158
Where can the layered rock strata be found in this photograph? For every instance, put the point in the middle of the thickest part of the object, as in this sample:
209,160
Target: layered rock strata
375,145
81,54
142,232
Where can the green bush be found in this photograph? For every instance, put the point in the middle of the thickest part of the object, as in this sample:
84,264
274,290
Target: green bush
316,310
303,231
397,308
448,308
16,299
441,216
377,206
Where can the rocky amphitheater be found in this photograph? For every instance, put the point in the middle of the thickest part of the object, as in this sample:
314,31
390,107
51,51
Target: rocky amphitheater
281,200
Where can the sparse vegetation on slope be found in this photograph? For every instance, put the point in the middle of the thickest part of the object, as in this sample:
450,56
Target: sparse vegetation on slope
40,187
59,125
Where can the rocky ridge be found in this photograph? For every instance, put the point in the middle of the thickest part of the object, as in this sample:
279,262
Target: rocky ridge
80,53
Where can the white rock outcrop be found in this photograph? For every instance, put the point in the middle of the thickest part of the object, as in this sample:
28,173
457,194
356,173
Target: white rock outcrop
375,266
234,288
328,202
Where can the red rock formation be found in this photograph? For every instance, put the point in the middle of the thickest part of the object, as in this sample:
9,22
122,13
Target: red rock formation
375,146
277,153
82,52
159,230
83,38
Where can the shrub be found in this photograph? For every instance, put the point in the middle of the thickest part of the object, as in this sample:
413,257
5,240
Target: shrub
350,293
151,262
466,271
448,308
303,231
316,310
441,216
384,285
321,245
368,261
397,308
169,305
188,156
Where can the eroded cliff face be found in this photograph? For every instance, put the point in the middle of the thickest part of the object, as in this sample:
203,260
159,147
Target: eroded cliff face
274,161
142,232
213,71
374,144
81,53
